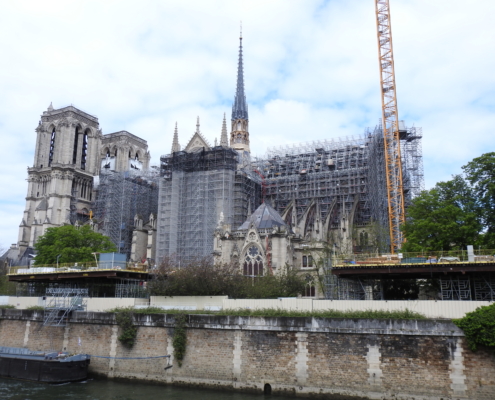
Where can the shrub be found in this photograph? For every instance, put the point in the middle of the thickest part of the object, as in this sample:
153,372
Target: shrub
479,327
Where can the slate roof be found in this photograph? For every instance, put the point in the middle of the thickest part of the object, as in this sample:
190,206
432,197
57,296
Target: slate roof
264,217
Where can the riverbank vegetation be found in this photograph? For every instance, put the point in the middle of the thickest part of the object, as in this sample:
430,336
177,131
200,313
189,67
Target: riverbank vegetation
201,278
277,312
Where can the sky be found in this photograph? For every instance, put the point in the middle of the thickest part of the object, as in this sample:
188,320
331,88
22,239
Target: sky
310,68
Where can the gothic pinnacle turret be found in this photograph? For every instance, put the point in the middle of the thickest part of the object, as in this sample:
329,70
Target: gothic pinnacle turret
239,136
224,141
175,143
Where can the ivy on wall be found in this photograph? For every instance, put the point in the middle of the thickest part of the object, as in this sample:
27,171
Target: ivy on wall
179,340
479,327
129,330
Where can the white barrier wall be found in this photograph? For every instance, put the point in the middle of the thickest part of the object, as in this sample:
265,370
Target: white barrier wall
212,303
25,302
105,303
429,308
95,304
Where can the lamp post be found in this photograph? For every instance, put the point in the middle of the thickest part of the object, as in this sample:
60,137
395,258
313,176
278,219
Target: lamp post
96,259
57,259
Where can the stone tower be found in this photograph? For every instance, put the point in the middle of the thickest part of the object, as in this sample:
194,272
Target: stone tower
239,136
60,182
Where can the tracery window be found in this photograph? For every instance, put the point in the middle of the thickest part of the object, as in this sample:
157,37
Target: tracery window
253,262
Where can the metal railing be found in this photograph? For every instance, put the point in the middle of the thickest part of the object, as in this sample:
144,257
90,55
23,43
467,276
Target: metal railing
77,267
421,257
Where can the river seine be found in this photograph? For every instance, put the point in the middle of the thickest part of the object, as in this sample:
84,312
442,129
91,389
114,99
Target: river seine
110,390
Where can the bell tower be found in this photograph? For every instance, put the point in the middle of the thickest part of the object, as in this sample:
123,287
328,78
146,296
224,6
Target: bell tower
239,135
60,182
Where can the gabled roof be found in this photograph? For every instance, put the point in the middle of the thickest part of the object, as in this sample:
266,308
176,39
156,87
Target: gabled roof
197,142
265,217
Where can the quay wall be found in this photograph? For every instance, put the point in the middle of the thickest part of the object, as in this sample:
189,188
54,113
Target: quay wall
307,357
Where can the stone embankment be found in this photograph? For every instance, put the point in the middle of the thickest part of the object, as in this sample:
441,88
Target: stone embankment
332,358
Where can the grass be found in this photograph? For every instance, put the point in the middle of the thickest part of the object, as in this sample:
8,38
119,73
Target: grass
277,312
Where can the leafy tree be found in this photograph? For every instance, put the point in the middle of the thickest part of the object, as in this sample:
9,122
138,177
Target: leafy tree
72,244
480,173
446,217
479,327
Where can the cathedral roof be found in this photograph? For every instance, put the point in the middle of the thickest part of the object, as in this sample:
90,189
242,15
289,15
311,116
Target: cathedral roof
265,217
239,108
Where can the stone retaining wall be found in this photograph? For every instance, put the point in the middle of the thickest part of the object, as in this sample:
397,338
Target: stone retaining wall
335,358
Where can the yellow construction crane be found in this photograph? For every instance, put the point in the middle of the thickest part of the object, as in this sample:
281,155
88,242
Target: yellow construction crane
390,125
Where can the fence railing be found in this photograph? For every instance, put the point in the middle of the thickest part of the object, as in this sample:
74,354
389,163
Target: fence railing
78,267
417,257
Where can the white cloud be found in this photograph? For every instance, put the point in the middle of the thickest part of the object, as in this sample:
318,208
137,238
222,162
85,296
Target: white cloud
311,72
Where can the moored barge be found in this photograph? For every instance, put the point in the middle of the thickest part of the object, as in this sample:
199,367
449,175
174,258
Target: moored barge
39,366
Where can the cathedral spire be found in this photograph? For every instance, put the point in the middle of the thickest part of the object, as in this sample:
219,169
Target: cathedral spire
224,141
239,136
197,126
239,109
175,143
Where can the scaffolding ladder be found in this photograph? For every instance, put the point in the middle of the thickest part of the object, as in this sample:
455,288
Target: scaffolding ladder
60,302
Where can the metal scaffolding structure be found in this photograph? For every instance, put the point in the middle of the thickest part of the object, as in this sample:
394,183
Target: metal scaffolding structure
120,196
340,179
199,190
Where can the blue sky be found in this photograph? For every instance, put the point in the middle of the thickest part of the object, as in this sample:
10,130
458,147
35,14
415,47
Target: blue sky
311,72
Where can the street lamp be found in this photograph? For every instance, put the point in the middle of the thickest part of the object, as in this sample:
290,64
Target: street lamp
58,258
96,259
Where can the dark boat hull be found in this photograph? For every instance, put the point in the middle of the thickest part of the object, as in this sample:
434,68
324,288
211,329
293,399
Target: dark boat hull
41,370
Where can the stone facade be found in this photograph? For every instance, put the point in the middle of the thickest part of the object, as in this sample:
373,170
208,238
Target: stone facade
266,244
374,359
70,151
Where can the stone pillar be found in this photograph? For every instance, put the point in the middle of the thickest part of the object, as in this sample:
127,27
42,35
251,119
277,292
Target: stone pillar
302,358
456,367
374,366
237,356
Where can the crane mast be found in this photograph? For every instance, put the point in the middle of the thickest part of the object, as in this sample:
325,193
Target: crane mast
390,125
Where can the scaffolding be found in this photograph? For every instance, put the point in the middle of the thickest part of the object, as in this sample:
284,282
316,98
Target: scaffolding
199,190
120,196
342,178
60,302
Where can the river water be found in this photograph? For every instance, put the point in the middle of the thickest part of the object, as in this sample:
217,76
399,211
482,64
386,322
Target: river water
96,389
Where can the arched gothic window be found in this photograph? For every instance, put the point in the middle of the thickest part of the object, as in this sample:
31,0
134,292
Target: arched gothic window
84,150
253,262
52,148
76,143
309,291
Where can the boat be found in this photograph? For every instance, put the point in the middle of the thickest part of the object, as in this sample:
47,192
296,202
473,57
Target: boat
40,366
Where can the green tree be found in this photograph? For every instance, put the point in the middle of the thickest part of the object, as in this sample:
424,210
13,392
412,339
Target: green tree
446,217
480,173
479,327
71,244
